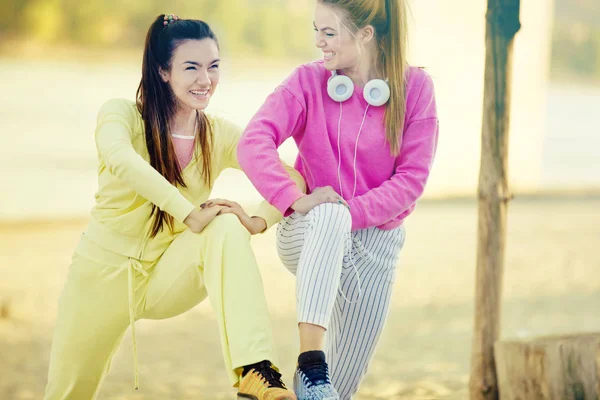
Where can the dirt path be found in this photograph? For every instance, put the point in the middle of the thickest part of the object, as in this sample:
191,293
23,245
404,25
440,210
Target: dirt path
552,285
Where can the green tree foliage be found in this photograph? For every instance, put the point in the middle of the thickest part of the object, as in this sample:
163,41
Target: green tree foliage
265,27
576,39
276,28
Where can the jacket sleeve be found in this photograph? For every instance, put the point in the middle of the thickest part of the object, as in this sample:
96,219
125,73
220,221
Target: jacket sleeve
265,210
114,131
280,117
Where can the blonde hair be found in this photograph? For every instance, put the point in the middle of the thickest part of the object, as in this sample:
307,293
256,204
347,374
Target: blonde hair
389,18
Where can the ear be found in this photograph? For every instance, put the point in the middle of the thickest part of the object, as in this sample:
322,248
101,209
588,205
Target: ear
366,34
164,75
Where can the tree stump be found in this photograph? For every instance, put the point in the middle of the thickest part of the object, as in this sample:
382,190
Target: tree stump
549,368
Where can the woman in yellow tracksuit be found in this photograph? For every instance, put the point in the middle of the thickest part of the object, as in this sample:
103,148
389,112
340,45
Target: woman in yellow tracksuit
152,249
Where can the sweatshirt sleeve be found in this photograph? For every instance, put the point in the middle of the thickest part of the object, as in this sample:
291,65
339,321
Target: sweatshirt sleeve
417,151
114,131
269,213
280,117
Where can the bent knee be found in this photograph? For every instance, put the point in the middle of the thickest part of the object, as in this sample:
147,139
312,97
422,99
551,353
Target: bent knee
331,216
226,224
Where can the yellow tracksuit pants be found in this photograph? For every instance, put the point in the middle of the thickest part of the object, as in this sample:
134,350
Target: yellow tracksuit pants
105,292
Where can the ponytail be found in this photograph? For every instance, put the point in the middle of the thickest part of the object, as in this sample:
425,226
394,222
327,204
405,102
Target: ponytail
394,43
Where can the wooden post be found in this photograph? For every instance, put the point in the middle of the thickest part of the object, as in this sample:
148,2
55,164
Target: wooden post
502,19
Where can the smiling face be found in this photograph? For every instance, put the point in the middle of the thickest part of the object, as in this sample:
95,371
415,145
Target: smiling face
340,48
194,73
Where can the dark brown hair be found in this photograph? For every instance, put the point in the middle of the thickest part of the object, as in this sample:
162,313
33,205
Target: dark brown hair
157,104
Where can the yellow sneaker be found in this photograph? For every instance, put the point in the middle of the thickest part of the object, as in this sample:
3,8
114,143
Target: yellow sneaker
263,383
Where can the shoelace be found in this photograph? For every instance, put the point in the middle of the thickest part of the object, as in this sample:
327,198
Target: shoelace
272,377
315,374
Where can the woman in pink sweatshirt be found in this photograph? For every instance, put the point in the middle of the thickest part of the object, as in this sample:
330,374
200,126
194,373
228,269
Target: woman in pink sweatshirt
366,127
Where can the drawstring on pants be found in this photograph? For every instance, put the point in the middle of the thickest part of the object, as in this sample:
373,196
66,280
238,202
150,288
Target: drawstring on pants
348,246
134,265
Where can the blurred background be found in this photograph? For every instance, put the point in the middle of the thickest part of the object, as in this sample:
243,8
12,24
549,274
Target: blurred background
61,59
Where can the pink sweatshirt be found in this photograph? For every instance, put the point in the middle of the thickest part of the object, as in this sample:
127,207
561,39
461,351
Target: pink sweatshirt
387,187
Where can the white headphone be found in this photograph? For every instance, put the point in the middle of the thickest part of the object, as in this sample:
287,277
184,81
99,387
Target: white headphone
340,88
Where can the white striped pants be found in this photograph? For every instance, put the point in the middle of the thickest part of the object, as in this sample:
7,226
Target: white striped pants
316,248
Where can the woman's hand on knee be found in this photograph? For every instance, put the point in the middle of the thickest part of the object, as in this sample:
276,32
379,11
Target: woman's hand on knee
320,195
254,225
200,218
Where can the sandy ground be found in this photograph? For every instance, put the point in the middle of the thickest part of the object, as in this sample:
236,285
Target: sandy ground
551,285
